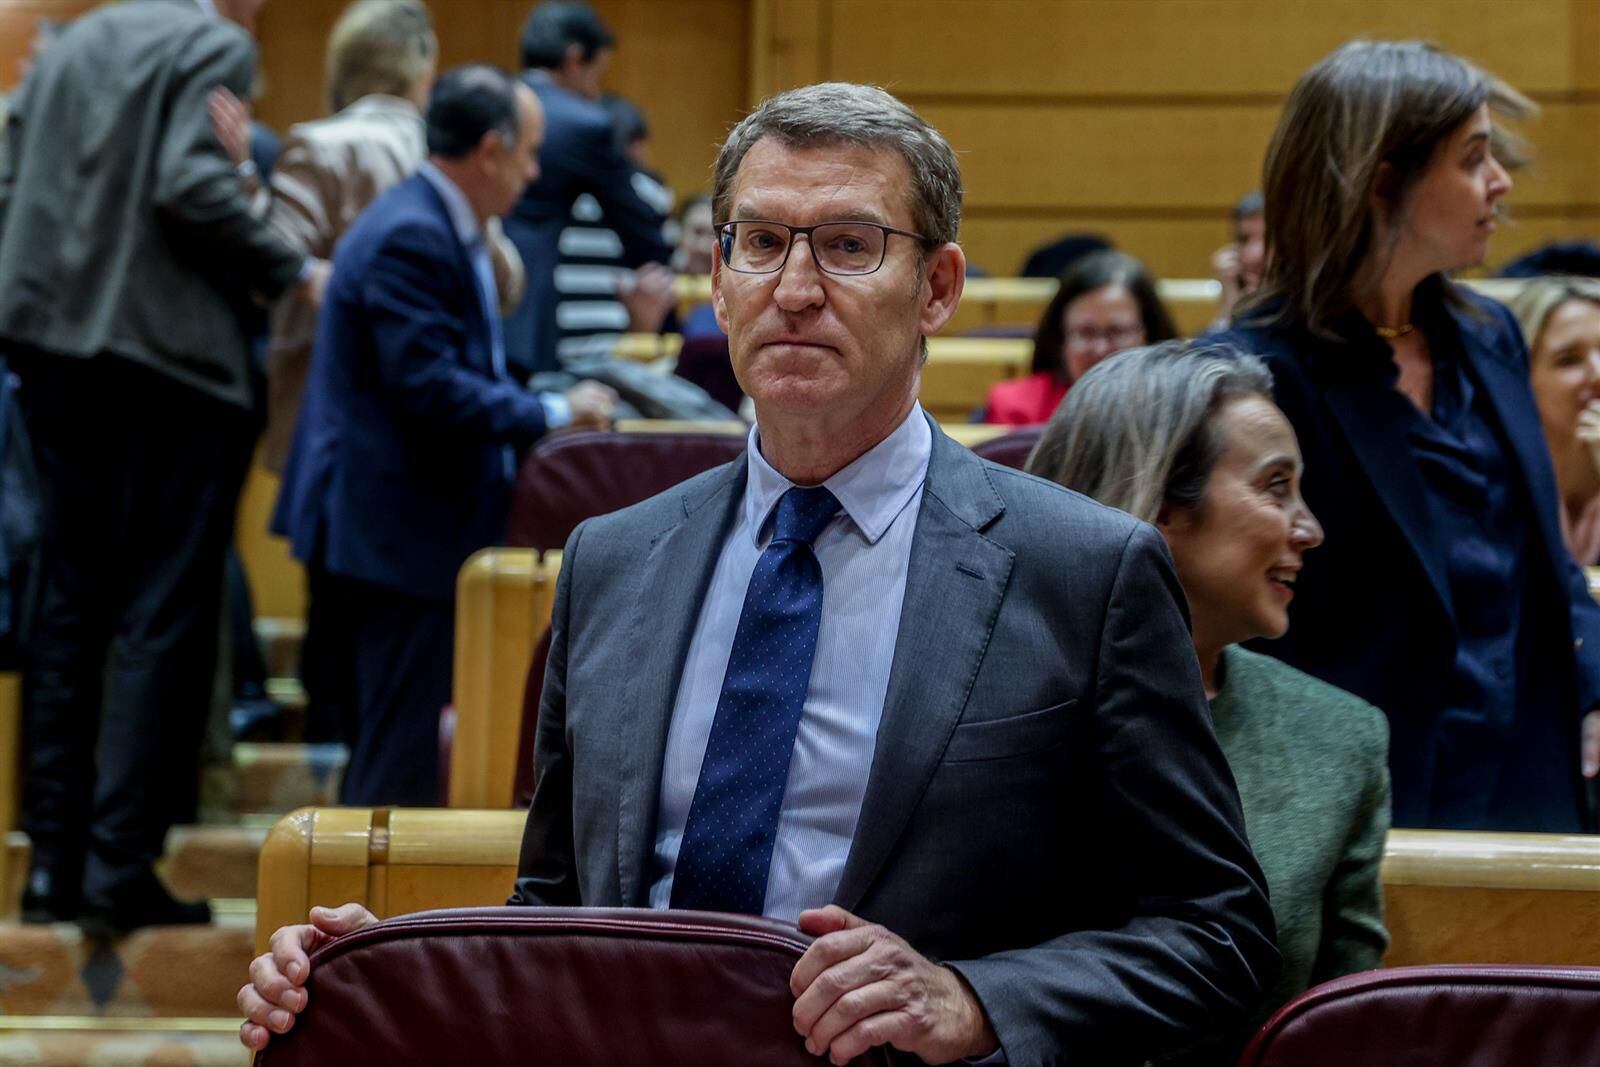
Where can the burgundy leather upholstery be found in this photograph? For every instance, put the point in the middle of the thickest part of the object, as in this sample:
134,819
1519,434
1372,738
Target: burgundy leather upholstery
704,361
522,788
571,477
542,987
1011,449
1443,1016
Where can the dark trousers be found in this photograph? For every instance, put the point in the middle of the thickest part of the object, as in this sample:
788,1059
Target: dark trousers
138,480
400,648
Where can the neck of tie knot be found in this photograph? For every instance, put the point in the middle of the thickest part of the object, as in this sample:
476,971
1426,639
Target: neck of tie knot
802,513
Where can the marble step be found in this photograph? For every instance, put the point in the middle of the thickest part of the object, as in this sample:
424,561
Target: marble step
271,778
178,972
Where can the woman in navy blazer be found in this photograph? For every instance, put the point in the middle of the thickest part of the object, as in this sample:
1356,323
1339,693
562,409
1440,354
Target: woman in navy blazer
1444,593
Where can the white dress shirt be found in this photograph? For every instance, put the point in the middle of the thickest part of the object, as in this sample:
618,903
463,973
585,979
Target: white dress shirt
864,553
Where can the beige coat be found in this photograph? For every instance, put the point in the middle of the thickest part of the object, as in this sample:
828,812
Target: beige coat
326,175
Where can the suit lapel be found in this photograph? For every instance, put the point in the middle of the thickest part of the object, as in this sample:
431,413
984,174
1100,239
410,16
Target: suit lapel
1380,444
956,582
673,582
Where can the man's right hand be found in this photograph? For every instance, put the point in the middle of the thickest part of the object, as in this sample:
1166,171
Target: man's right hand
276,991
592,404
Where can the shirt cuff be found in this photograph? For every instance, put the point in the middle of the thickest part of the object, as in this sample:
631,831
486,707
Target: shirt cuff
557,410
307,265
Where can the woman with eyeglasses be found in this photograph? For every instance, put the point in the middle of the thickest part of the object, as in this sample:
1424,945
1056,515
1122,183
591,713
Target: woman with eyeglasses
1106,302
1444,593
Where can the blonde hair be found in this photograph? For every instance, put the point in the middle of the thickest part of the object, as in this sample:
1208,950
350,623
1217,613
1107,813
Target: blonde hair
1540,297
379,46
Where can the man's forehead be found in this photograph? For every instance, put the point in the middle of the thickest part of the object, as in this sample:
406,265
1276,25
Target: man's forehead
835,181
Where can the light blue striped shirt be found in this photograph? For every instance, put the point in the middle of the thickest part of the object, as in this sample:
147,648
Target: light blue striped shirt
864,553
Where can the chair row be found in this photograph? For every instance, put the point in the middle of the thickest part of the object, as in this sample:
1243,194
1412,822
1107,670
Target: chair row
1449,897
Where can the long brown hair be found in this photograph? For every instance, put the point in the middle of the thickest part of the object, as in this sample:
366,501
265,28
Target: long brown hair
1366,104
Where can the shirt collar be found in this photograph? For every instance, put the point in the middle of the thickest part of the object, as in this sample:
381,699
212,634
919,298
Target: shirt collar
208,6
455,204
873,489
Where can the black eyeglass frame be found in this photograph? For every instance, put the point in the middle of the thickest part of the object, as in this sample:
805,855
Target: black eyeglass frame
725,242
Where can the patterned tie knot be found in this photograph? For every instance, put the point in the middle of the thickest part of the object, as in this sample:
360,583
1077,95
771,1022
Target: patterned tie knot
802,513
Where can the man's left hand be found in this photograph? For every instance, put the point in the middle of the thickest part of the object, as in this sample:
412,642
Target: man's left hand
859,986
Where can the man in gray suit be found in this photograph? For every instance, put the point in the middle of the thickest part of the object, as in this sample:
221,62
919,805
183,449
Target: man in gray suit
943,715
127,252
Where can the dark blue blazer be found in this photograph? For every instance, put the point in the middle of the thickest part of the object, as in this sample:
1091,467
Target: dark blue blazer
397,471
579,155
1372,610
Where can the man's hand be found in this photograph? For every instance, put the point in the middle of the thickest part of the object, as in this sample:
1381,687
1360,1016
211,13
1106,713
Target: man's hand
592,404
230,119
314,286
1589,430
648,295
1589,744
276,991
859,986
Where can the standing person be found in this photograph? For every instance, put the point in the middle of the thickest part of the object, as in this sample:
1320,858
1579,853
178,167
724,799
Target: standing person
406,447
850,681
1186,437
120,290
1445,594
566,50
1560,320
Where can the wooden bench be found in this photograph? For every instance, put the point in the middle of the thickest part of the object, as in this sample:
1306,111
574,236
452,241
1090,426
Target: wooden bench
1450,897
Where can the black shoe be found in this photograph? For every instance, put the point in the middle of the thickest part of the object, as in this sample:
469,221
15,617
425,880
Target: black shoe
145,902
51,896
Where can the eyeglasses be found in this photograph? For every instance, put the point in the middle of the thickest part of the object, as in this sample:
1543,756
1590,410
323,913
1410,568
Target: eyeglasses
756,246
1116,336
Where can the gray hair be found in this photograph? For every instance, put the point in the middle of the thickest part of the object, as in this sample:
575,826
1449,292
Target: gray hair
379,46
842,113
1136,431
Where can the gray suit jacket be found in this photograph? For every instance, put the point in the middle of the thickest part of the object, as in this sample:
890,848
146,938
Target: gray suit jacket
123,228
1048,810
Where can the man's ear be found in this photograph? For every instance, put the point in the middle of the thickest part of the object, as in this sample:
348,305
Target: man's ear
718,305
1173,519
944,277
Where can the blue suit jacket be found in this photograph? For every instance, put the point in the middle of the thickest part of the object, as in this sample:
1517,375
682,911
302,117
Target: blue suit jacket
579,155
1372,612
398,472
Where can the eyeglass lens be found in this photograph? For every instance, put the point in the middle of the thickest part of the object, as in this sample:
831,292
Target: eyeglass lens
838,247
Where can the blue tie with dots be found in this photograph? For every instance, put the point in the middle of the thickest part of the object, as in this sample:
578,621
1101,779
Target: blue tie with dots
726,852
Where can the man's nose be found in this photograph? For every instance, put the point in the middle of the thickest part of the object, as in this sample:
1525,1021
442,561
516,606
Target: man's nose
799,279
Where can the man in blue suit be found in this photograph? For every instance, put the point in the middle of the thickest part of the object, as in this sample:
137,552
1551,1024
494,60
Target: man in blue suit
407,444
566,49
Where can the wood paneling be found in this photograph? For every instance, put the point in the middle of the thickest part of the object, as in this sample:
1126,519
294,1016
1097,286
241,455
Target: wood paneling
685,62
1146,119
17,21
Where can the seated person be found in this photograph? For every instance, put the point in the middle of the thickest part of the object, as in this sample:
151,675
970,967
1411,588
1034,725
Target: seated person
650,293
1237,265
1188,438
848,681
1560,319
1107,302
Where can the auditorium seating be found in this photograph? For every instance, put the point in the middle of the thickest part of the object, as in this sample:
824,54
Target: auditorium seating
1450,897
554,987
1442,1016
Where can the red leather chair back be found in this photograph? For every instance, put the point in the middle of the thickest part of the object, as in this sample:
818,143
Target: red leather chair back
705,362
1446,1016
522,789
571,477
553,987
1011,449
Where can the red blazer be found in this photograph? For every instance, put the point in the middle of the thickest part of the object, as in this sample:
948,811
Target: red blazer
1025,401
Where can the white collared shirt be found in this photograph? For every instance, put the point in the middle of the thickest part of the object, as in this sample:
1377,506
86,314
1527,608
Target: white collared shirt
865,554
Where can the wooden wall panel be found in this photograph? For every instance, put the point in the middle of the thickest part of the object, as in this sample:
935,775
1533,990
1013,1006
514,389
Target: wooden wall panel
1146,119
686,62
17,21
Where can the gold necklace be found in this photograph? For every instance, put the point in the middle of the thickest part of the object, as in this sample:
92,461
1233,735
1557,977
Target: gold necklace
1389,333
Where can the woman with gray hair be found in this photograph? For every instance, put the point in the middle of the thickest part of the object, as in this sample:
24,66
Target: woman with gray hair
1560,320
1187,438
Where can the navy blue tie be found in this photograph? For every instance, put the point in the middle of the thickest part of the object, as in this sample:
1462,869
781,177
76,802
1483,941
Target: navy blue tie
726,852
